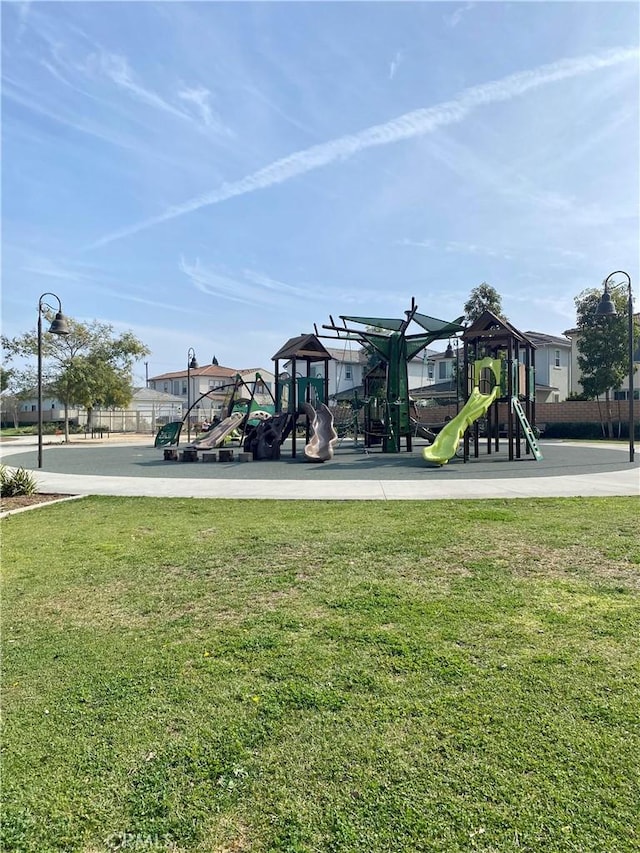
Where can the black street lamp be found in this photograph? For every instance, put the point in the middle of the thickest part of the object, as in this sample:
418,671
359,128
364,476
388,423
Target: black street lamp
192,364
450,355
606,308
58,327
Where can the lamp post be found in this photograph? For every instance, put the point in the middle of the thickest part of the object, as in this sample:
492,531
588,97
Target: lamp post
449,354
192,364
606,308
58,327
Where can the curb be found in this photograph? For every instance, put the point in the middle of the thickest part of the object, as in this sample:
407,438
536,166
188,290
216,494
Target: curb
8,512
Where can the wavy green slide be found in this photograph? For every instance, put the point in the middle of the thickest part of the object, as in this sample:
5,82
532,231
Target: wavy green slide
446,443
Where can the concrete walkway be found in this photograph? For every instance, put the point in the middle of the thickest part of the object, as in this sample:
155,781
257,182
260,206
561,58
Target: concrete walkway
600,470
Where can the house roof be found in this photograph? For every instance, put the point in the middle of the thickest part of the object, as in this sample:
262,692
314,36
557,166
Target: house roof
152,396
353,354
207,370
447,388
349,393
541,339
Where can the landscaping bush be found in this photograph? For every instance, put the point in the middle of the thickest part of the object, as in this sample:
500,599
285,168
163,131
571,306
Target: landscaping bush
587,431
16,484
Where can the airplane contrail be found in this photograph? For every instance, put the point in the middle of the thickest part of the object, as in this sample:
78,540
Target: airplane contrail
407,126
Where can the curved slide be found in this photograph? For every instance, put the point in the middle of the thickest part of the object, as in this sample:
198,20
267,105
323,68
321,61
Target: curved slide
320,447
447,440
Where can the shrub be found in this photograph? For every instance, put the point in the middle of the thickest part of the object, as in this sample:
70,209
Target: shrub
590,431
576,430
16,484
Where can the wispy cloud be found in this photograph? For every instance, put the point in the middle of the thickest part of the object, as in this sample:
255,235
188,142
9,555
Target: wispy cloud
247,287
456,16
395,64
114,293
458,247
72,66
117,69
23,7
49,269
563,306
272,284
13,92
200,99
407,126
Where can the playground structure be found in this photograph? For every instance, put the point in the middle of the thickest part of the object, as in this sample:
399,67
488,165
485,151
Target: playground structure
241,411
387,414
447,441
324,436
499,366
498,387
295,390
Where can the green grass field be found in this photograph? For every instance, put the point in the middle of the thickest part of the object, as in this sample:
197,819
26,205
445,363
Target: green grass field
194,675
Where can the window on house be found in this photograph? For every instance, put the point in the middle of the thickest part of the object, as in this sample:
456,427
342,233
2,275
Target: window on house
430,370
445,369
348,373
184,388
557,358
166,387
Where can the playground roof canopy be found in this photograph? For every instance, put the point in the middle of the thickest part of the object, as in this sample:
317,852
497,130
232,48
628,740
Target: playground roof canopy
306,347
489,326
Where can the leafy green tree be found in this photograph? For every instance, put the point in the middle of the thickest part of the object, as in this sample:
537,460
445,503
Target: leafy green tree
18,386
603,346
90,367
5,378
483,298
373,356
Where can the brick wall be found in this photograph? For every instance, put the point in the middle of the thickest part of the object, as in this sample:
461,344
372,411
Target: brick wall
569,411
584,411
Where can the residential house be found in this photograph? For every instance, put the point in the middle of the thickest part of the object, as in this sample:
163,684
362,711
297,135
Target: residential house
553,366
209,387
348,368
621,393
552,363
147,409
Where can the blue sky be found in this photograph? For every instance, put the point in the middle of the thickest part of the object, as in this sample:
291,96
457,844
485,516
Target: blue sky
224,175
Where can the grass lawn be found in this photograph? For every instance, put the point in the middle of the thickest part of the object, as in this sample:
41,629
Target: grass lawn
200,675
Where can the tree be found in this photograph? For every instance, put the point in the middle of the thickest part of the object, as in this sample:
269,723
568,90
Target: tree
5,378
17,387
89,367
373,356
483,298
603,346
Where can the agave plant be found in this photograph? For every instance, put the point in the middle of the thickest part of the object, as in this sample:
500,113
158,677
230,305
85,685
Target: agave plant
17,483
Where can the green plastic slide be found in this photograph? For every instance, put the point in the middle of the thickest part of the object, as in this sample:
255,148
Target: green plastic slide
447,440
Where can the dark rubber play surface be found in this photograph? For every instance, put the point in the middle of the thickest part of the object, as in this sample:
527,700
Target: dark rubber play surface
349,463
